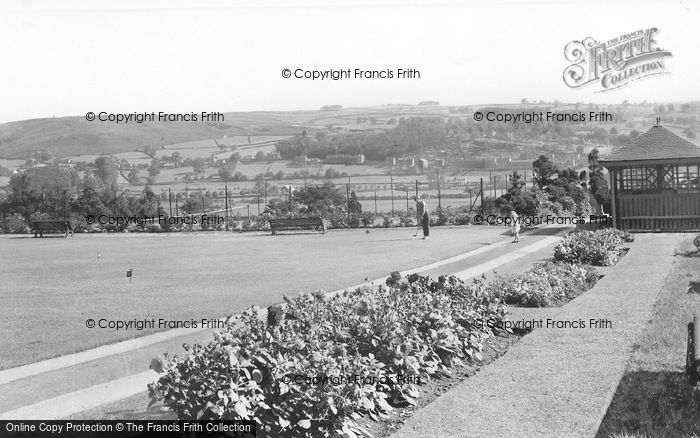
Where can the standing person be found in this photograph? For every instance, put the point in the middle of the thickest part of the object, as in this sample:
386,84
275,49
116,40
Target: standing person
515,226
423,216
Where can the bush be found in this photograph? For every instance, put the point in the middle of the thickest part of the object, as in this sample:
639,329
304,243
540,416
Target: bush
14,224
413,330
544,284
333,219
153,228
600,248
450,216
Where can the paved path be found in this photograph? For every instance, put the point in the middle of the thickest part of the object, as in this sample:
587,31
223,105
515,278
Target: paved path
558,382
71,384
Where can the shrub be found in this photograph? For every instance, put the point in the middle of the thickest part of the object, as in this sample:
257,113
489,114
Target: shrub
333,219
14,224
544,284
153,228
450,216
393,279
626,236
600,248
418,330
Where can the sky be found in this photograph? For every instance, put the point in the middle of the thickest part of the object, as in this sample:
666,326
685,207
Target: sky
65,58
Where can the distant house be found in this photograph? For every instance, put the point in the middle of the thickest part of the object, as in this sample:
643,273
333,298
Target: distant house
406,162
65,163
655,182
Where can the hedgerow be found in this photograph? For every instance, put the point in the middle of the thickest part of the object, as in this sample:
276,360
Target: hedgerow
599,248
400,335
544,284
333,220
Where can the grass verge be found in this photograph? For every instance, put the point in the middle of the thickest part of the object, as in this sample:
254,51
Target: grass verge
654,398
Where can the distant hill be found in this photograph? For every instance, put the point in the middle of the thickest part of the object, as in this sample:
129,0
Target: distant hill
71,136
68,136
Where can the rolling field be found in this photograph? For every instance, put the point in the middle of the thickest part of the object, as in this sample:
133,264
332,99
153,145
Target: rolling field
11,164
51,286
242,140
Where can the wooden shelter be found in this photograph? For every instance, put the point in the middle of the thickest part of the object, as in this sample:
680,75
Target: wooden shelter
655,182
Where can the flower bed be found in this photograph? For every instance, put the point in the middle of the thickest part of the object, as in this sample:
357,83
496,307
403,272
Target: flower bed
391,339
599,248
544,285
333,220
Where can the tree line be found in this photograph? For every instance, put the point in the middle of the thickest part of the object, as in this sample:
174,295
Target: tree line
411,136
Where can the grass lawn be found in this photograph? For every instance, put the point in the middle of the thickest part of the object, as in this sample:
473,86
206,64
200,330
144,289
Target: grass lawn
654,398
51,286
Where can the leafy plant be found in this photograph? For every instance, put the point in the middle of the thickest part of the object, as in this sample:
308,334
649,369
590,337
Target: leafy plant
600,248
330,361
544,284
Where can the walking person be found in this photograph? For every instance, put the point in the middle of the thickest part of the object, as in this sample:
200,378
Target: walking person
515,227
423,216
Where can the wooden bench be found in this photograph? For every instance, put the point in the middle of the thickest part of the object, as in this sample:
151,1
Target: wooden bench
46,226
302,223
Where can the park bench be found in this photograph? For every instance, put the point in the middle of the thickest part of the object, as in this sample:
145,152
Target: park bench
47,226
302,223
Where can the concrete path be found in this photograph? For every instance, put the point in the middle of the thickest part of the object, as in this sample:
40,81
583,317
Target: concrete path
67,385
558,382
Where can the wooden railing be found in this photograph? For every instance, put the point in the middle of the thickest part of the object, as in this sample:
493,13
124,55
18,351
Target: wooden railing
659,212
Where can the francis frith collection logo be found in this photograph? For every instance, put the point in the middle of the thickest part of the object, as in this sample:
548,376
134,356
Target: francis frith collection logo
614,63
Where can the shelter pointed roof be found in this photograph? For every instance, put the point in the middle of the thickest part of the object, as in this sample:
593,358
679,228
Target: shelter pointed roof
658,143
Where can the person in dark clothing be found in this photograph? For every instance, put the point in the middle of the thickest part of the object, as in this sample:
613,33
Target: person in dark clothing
423,216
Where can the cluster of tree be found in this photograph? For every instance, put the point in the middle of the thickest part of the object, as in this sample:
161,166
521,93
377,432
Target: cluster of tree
517,198
54,192
565,188
37,157
175,158
332,173
269,175
262,156
150,151
597,183
411,136
57,193
314,200
228,173
319,199
669,108
198,164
